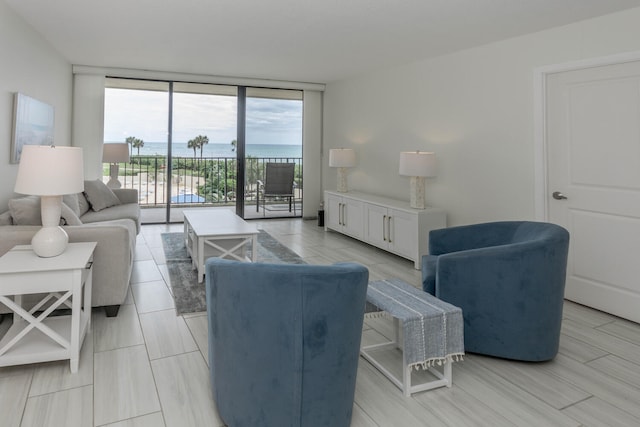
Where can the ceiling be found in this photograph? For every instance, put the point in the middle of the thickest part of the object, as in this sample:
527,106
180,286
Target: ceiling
295,40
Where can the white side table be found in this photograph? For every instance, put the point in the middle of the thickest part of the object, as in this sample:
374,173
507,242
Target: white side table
34,336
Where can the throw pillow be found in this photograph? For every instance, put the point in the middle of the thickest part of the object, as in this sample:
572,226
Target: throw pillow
83,204
99,195
5,218
27,211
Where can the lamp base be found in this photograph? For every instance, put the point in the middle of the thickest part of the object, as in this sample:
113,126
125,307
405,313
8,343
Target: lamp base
416,192
342,180
114,169
50,241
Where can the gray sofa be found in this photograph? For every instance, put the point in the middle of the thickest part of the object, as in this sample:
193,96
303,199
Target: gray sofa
113,227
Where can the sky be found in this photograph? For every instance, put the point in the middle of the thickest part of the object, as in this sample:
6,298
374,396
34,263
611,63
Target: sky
144,114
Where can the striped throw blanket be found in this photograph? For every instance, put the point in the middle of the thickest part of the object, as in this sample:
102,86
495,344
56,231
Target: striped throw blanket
432,329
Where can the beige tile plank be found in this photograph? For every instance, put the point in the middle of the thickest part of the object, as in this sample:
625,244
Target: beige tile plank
145,271
151,420
199,327
597,383
623,329
56,376
123,385
166,334
120,331
595,412
14,390
385,403
546,387
602,340
185,392
152,296
68,408
579,350
618,368
510,401
359,418
585,315
455,407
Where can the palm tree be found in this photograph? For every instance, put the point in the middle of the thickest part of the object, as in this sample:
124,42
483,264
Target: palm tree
138,144
134,143
193,143
202,141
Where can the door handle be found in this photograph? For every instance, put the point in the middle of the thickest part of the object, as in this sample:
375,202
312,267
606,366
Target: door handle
558,196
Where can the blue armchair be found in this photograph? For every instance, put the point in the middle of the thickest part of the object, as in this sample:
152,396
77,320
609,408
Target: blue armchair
284,341
508,278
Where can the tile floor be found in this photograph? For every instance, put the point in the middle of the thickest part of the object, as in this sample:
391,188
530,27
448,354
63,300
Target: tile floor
148,367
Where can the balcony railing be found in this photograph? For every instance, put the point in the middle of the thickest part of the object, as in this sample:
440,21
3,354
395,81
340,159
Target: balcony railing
197,181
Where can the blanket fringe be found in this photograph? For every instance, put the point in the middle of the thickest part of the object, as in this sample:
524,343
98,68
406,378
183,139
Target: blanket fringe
424,365
376,314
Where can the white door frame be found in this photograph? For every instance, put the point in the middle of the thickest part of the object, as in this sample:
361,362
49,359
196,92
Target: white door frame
540,114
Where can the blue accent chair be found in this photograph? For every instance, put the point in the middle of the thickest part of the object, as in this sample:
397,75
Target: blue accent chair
284,341
508,278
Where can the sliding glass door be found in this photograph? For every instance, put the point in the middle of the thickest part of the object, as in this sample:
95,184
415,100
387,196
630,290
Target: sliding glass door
196,145
203,153
137,112
273,135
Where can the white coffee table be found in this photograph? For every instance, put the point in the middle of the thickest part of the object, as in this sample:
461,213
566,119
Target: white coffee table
34,336
219,233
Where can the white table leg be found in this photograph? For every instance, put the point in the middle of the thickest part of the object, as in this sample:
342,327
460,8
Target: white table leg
254,248
200,262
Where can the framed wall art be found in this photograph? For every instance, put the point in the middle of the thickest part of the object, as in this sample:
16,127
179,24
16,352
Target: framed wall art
32,124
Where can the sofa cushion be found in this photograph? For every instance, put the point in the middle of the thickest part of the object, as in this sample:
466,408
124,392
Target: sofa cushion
71,200
27,211
124,211
99,195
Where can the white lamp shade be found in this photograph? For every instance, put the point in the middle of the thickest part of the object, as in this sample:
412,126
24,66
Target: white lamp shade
115,152
418,163
342,158
50,171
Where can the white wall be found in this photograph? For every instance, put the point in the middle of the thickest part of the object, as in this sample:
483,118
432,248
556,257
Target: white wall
474,108
30,66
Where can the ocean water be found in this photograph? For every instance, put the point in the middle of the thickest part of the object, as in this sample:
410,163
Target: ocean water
180,149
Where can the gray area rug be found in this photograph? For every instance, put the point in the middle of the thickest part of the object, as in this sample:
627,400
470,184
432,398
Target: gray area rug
188,294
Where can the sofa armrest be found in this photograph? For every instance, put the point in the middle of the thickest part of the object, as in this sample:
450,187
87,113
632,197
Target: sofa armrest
126,195
112,260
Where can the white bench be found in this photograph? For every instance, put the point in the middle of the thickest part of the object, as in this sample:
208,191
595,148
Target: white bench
432,333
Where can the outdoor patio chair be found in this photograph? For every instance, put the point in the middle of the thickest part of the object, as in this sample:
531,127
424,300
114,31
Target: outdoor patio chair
278,183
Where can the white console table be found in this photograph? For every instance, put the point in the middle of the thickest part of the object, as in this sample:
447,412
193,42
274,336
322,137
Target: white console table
383,222
34,336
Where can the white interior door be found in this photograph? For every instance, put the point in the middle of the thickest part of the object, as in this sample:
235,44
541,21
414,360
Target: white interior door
593,141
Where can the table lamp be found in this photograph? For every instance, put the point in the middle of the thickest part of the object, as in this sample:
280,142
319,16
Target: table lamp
342,158
50,172
114,154
418,165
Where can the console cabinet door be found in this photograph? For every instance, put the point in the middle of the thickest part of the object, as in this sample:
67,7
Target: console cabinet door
375,225
352,217
333,215
402,235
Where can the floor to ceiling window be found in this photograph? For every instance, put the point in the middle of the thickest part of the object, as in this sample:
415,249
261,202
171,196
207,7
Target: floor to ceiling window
196,145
